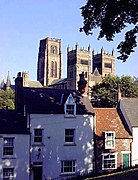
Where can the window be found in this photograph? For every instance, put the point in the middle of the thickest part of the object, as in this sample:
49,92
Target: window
70,109
70,106
83,61
54,49
69,135
109,161
107,65
109,140
53,69
68,166
8,146
8,173
38,135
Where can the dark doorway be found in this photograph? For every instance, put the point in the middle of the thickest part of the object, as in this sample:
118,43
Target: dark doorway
37,171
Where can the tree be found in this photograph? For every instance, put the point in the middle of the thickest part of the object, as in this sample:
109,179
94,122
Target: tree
105,93
111,17
7,99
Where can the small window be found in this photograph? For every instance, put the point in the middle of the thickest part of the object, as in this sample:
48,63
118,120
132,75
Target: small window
69,135
38,135
54,49
107,65
69,109
109,140
8,146
8,173
68,166
70,106
83,61
109,161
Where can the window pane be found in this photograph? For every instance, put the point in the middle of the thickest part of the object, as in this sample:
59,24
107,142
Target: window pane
8,146
67,166
109,161
8,173
38,135
70,109
69,135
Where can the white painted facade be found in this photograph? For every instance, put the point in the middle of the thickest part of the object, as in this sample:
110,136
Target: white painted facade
19,161
53,149
134,131
135,146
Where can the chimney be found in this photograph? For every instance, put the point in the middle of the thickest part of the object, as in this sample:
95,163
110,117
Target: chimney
82,85
25,76
19,93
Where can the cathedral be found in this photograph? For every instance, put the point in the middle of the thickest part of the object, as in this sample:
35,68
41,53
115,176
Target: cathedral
94,66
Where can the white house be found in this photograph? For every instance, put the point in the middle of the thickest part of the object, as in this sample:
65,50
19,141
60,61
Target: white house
129,110
61,124
14,143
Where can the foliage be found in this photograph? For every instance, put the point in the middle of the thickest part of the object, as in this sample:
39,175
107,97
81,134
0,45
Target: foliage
7,99
111,17
105,93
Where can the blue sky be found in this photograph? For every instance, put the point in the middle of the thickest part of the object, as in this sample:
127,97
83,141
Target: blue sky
24,22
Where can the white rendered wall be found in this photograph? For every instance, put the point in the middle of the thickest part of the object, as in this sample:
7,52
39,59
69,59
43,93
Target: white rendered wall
135,146
20,160
54,149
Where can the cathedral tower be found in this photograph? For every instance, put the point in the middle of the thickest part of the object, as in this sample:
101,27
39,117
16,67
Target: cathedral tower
78,61
104,62
49,61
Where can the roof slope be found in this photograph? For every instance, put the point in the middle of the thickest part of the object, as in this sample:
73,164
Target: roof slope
12,123
51,101
107,119
131,108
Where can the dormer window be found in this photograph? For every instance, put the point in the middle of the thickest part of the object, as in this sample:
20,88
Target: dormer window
70,107
109,140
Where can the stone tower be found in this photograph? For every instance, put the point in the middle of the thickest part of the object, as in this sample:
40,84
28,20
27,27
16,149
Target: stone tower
78,61
49,61
104,62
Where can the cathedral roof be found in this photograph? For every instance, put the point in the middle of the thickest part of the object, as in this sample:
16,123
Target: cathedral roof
96,72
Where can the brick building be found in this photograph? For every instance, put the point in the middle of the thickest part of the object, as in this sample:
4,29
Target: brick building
112,141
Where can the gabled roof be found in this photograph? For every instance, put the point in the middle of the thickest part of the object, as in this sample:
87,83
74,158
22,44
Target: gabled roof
108,119
12,123
51,101
130,106
96,72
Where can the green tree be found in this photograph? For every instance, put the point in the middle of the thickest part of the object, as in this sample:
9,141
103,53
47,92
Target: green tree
105,93
7,99
111,17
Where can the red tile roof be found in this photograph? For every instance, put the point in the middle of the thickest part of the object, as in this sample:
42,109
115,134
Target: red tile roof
107,119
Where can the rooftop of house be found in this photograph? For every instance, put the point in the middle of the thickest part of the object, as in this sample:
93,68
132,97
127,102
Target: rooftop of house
108,119
51,101
12,123
130,106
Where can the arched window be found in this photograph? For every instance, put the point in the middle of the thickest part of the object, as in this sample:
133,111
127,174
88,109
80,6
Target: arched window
55,70
52,68
54,49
